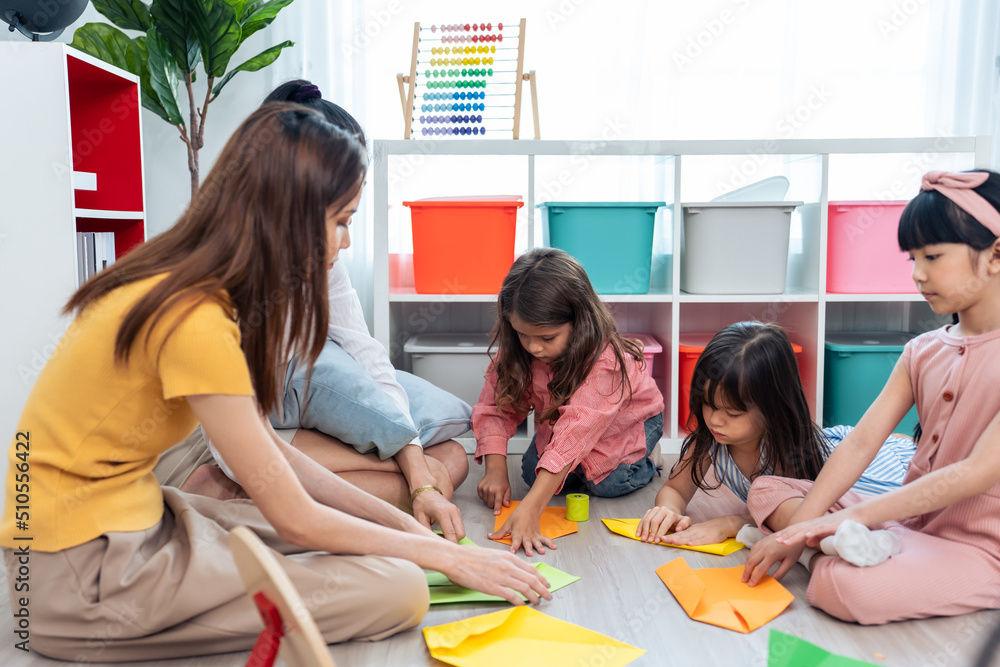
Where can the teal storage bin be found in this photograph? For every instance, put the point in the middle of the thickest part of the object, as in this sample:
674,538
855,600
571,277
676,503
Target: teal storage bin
612,240
857,366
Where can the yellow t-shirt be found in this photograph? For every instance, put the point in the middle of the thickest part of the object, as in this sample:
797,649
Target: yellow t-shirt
91,431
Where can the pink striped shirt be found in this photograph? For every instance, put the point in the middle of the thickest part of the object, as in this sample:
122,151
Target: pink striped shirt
597,428
955,383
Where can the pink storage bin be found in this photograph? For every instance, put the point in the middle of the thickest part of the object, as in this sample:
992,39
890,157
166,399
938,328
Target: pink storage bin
862,253
650,348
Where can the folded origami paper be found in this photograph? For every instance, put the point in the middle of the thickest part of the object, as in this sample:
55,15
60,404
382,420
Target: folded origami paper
552,522
525,637
716,595
789,651
627,528
443,591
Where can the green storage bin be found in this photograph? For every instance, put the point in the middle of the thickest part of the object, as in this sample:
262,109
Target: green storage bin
612,240
857,366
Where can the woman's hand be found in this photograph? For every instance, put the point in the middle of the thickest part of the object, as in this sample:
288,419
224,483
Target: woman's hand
498,573
766,553
494,487
432,507
658,521
524,531
712,531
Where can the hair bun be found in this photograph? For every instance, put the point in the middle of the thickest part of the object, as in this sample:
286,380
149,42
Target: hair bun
306,92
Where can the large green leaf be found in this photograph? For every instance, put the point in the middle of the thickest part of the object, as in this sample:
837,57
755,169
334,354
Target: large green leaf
103,41
127,14
218,35
258,15
164,75
239,6
175,20
138,60
259,61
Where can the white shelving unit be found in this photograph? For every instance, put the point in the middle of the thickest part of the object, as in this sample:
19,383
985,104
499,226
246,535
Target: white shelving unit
65,112
671,171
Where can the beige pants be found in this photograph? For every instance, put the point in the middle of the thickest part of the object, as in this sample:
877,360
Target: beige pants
174,591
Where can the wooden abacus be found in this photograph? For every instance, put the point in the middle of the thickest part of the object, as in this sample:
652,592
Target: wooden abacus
461,68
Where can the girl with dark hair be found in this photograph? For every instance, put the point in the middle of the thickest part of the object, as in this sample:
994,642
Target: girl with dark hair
599,414
169,337
946,516
752,419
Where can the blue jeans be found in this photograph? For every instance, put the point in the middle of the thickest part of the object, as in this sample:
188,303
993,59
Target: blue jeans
346,403
624,479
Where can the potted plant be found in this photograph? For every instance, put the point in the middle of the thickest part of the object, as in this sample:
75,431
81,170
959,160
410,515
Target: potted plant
177,36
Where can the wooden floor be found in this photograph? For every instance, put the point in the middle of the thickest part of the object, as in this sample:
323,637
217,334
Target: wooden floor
620,596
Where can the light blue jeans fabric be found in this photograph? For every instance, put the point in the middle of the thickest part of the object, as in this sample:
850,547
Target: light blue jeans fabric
624,479
346,403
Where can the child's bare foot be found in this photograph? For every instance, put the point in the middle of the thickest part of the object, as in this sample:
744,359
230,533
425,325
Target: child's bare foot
209,480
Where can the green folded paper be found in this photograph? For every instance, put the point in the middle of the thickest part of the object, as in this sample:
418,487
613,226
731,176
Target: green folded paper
445,592
790,651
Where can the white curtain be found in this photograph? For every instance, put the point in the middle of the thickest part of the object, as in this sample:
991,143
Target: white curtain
965,73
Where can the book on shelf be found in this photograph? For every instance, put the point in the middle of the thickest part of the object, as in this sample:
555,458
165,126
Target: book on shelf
95,252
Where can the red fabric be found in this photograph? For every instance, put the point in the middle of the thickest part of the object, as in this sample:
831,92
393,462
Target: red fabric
265,651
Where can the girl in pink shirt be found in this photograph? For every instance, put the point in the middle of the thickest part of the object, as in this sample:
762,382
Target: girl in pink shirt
932,547
598,413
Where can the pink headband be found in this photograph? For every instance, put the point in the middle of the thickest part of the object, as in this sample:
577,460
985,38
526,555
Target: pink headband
957,186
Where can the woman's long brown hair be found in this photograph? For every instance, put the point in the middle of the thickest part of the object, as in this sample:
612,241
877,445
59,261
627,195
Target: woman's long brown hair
547,288
255,231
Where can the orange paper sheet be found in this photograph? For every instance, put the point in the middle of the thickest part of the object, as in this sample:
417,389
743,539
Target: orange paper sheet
716,595
627,528
553,522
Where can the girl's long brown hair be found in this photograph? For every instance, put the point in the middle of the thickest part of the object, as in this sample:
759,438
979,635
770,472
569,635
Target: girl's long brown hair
752,365
255,231
548,288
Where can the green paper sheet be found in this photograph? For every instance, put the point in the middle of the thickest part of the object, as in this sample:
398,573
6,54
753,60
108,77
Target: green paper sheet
790,651
445,592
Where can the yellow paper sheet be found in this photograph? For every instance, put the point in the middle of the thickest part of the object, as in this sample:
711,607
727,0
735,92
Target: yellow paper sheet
553,521
627,528
525,637
716,595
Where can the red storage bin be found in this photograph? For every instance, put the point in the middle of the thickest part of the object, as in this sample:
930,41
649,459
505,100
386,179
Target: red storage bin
690,347
862,253
463,245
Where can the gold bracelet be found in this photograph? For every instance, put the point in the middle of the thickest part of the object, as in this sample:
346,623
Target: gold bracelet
420,489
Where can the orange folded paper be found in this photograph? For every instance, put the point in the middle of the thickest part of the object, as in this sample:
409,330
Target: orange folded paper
716,595
553,522
627,528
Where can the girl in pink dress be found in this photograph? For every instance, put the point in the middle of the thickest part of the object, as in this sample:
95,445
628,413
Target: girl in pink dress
932,547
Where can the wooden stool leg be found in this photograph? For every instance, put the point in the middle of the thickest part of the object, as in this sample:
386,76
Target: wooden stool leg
301,645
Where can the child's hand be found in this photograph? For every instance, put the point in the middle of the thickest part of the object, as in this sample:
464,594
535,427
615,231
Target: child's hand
524,532
766,553
708,532
494,488
658,521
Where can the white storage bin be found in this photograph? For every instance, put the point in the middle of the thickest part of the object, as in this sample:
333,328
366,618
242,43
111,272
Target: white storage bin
455,362
735,247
